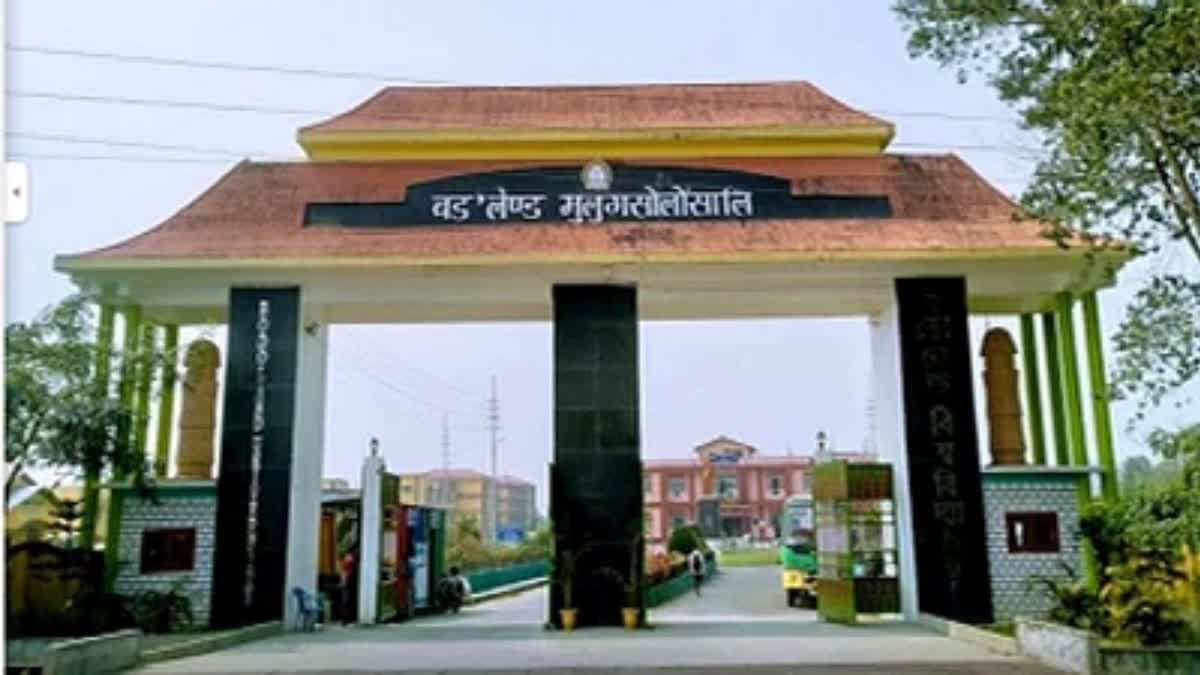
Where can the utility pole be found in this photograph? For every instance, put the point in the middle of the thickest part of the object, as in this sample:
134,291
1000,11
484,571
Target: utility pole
493,428
444,501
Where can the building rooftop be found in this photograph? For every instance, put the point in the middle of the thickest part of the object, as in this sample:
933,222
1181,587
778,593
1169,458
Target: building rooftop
612,108
256,210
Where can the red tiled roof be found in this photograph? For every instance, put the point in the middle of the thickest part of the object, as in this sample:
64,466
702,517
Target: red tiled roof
256,211
617,107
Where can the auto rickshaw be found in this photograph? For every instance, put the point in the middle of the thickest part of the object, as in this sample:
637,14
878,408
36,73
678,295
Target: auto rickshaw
798,555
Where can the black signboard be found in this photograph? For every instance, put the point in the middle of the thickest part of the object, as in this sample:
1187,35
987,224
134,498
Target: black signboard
943,452
595,193
250,550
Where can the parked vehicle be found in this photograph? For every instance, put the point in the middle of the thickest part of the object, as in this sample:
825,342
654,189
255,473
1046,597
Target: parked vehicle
798,552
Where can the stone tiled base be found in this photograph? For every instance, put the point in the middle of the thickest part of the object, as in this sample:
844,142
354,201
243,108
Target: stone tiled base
191,510
1011,573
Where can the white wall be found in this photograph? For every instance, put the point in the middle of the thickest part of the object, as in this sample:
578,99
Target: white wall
890,441
308,436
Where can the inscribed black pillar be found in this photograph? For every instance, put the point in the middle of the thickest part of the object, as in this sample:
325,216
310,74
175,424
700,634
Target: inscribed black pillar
943,451
250,550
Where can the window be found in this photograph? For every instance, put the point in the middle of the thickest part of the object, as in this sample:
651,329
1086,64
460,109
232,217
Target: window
646,485
775,484
805,483
168,550
677,522
677,485
727,485
1032,532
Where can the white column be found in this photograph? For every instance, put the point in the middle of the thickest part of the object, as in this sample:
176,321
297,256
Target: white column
370,524
891,441
308,452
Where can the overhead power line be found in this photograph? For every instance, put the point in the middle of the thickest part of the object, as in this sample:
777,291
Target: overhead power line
368,76
165,103
405,365
134,159
117,143
219,65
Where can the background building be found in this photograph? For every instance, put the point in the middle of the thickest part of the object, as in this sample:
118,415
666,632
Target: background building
467,491
751,488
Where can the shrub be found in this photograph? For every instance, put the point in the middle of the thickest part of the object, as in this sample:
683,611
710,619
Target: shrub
1141,600
1073,603
685,539
166,611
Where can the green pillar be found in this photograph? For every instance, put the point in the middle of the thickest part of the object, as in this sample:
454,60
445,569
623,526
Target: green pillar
166,401
1058,415
1033,392
1070,371
103,373
1079,455
127,387
141,400
1100,411
132,315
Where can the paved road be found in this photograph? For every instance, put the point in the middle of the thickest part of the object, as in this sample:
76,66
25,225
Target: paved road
740,622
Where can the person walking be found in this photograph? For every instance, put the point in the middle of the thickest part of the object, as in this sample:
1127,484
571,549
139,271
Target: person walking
696,565
349,585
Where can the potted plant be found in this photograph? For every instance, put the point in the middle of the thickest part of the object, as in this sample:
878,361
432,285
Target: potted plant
631,612
566,581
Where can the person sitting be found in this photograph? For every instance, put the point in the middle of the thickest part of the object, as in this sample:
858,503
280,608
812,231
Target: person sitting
452,590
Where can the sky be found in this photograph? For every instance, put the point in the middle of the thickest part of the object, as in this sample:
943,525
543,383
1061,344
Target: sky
773,384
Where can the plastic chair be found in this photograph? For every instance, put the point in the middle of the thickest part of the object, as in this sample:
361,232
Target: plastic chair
306,610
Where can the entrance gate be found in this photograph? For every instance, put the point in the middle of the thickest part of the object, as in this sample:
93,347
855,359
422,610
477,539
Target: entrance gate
593,207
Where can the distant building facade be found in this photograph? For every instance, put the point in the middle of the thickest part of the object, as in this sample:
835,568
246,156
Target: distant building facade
750,488
467,492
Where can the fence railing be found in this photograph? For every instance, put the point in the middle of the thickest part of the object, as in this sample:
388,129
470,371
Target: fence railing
675,586
494,577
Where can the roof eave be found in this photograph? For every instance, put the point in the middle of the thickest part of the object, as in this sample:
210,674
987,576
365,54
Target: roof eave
502,143
84,264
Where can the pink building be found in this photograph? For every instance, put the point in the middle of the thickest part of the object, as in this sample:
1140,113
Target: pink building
751,487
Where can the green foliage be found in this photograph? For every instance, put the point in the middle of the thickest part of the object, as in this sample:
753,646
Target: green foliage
68,514
55,415
685,539
1183,449
467,551
1158,343
1112,89
1156,520
1073,602
1149,586
166,611
1142,602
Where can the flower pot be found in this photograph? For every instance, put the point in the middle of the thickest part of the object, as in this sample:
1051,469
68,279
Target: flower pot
568,618
629,615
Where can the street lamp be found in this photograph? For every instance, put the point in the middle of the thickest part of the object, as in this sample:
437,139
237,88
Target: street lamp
374,446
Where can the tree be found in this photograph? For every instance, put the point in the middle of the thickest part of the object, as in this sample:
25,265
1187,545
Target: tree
56,417
1135,474
1182,448
1112,88
685,539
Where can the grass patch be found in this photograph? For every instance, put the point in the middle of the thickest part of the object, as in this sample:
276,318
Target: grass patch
1005,629
753,557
